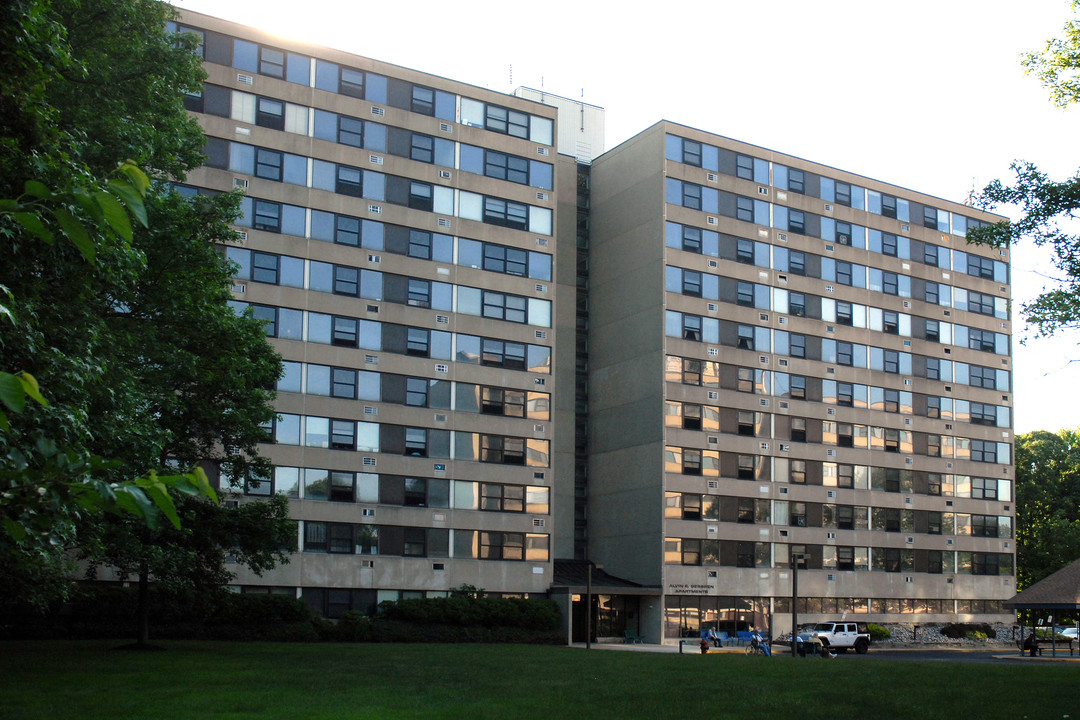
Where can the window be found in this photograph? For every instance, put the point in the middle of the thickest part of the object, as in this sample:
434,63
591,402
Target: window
797,516
506,213
798,472
798,387
691,196
271,62
350,131
746,510
982,377
843,232
929,217
798,345
892,519
744,167
797,262
347,230
984,488
983,451
691,371
691,327
845,435
933,445
845,558
797,304
744,209
509,261
501,306
351,83
422,148
343,434
892,440
502,546
423,100
497,353
421,196
844,313
890,322
845,476
845,353
744,251
416,442
691,461
933,369
508,122
845,517
892,361
934,562
691,506
892,401
892,560
268,164
416,392
691,417
796,181
930,254
417,342
345,332
691,152
346,280
798,429
843,195
270,113
888,244
888,209
890,283
797,221
746,423
343,383
415,542
502,450
502,498
691,239
419,244
980,266
980,303
844,273
264,268
745,339
983,414
981,340
933,523
746,467
933,294
506,167
744,556
419,293
745,294
349,181
845,394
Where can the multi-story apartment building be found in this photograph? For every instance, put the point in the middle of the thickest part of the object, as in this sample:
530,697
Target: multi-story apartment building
399,231
689,363
790,362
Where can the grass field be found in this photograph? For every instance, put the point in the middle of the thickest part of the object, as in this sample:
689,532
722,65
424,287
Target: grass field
90,680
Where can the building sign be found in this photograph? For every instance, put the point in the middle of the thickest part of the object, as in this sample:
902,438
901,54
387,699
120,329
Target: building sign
689,589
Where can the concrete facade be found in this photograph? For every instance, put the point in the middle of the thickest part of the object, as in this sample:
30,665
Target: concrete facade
682,363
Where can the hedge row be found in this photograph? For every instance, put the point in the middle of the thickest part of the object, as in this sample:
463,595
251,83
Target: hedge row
110,613
964,630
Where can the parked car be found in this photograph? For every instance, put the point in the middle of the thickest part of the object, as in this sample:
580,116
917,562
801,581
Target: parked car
839,636
1069,632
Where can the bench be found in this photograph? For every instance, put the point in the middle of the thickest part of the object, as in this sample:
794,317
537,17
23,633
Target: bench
1046,643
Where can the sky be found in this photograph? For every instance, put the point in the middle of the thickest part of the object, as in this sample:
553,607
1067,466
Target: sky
926,95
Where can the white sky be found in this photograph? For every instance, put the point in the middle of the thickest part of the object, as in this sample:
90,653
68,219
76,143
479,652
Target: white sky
925,95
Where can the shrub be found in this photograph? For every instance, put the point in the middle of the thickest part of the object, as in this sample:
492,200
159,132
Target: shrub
540,615
958,631
878,632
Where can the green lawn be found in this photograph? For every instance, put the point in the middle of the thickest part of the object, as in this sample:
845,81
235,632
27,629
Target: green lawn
88,680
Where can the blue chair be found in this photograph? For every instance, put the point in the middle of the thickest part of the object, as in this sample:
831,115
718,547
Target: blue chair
745,636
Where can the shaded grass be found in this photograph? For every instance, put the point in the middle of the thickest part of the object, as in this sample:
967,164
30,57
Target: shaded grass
89,680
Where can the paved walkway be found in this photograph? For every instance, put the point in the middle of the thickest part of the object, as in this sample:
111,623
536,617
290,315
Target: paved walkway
691,647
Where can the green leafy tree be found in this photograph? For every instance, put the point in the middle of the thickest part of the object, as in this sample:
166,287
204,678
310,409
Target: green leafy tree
121,361
1047,503
1047,206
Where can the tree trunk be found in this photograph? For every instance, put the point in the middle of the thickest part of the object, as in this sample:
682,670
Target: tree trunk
143,609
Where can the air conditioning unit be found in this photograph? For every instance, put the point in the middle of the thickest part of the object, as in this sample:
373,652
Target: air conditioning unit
245,79
240,183
374,209
375,159
446,127
444,174
375,110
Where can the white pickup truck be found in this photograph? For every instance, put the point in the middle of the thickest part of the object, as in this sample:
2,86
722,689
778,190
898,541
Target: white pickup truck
839,636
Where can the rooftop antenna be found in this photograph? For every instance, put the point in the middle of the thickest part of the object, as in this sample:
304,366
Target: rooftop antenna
511,74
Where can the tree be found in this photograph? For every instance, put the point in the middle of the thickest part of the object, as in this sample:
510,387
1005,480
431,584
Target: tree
143,368
1047,503
1047,206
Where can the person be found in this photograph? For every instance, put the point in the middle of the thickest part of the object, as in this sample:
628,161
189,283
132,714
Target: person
818,647
759,642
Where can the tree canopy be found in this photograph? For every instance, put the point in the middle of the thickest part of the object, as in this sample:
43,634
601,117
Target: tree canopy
124,335
1047,503
1048,207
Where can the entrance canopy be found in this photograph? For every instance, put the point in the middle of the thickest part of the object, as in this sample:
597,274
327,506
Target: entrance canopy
1060,591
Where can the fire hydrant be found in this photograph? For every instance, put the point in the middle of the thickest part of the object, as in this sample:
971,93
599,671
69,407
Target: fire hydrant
704,646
